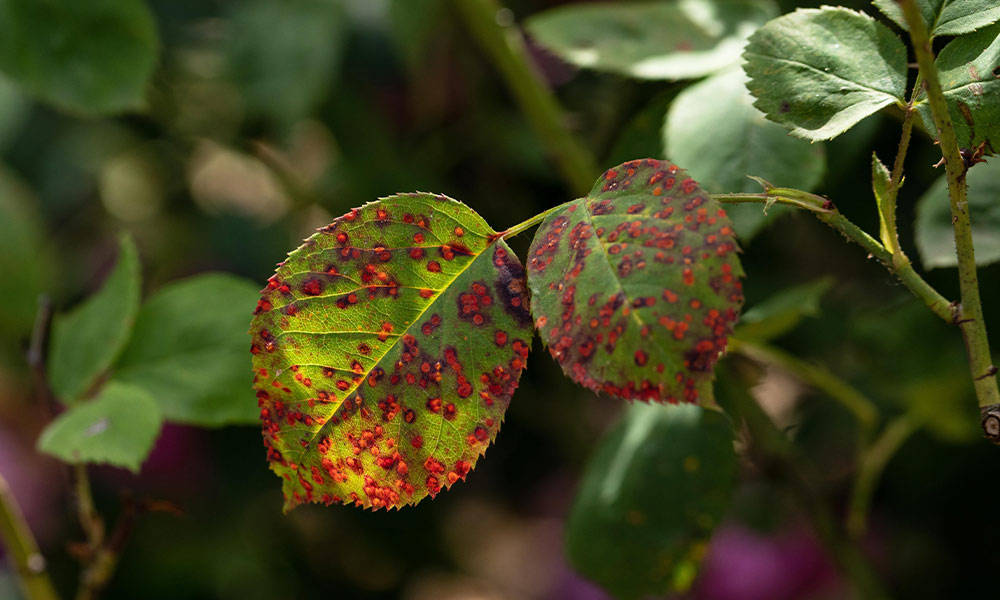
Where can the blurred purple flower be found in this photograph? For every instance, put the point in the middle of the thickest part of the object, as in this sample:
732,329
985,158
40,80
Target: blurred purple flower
743,564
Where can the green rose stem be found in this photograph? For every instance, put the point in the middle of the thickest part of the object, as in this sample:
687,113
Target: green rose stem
969,314
26,560
506,49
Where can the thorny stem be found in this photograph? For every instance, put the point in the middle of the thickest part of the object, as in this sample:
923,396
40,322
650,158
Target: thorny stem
26,560
778,456
864,410
509,54
938,304
969,314
873,462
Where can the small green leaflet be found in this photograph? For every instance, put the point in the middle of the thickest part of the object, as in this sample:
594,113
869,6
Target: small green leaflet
386,349
714,128
93,57
820,71
118,427
935,236
188,350
87,341
650,497
969,70
635,288
651,40
946,17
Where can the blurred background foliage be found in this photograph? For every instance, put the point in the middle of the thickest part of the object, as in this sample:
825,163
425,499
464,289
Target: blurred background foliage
262,121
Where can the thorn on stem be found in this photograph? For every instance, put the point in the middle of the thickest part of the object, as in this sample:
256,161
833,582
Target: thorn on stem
990,372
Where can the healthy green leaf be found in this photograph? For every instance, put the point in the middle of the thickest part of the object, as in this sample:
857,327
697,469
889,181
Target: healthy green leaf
820,71
935,237
118,427
87,340
783,311
636,287
946,17
386,349
713,127
308,34
969,69
651,40
87,57
188,350
650,497
25,261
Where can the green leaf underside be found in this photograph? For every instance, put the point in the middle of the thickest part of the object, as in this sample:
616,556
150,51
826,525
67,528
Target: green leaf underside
713,127
635,288
969,70
946,17
386,350
650,497
820,71
935,237
651,40
118,427
86,341
188,350
783,311
86,57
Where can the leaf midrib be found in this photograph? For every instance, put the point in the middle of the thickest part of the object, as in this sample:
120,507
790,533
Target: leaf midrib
364,376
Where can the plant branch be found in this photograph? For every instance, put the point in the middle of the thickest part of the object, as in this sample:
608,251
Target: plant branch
969,315
832,217
26,560
779,456
861,407
506,49
873,462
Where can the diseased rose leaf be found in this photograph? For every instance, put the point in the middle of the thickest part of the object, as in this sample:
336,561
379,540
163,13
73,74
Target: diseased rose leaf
386,349
821,71
635,288
969,70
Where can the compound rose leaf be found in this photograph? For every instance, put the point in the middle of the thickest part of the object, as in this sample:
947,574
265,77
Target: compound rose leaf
635,288
386,349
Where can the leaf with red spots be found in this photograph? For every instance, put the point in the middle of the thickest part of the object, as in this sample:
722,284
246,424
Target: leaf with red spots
385,352
635,288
